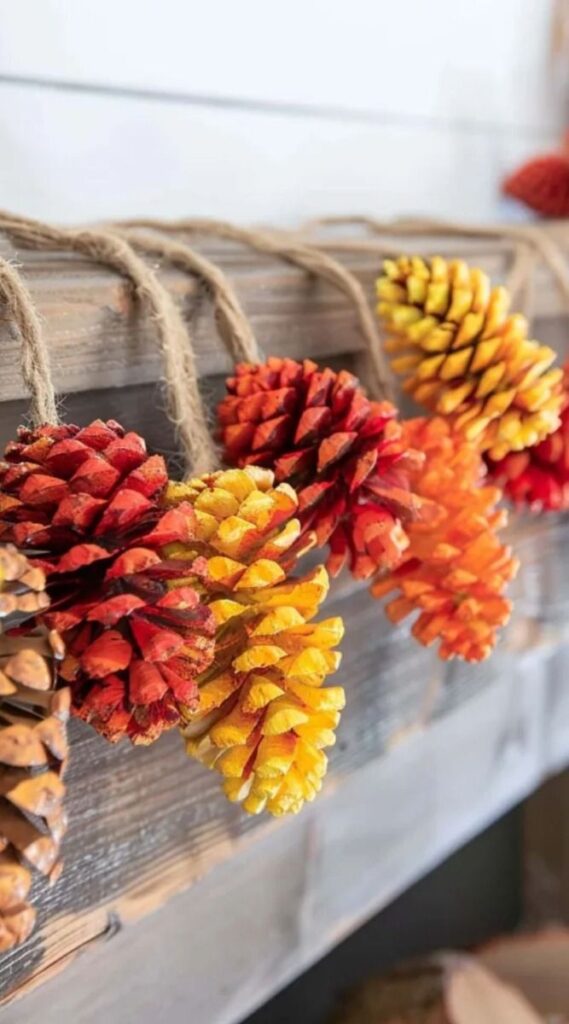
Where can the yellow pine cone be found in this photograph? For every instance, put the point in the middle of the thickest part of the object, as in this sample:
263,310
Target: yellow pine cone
264,715
464,357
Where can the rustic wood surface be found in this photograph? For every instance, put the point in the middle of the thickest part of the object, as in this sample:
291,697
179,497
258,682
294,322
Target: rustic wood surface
100,338
148,824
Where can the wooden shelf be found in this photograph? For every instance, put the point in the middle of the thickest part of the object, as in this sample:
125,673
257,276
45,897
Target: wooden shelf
427,753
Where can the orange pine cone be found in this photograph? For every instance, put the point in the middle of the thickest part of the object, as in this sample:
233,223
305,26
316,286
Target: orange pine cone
455,571
87,504
463,357
342,453
264,714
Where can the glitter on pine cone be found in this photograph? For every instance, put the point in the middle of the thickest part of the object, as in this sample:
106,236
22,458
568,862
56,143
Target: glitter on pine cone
464,357
33,748
455,572
542,183
539,477
343,453
264,715
87,504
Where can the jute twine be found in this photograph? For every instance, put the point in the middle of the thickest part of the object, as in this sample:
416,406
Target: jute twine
34,356
186,409
233,325
300,254
528,243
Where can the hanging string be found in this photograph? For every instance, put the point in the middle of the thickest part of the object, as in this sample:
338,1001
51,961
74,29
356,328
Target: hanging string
34,356
313,260
233,325
519,236
186,408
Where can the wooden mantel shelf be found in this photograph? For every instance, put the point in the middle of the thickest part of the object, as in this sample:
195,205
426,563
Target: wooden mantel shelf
181,905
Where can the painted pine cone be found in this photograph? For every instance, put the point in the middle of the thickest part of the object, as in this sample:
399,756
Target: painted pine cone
464,357
22,588
33,754
88,502
264,714
539,477
343,454
542,184
456,570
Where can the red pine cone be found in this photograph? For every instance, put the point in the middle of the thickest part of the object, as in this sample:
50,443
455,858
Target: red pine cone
539,476
343,454
87,502
543,183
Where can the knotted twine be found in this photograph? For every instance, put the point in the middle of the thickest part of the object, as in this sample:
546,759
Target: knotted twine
299,254
185,407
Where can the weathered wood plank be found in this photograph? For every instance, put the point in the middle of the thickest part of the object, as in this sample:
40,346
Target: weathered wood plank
100,338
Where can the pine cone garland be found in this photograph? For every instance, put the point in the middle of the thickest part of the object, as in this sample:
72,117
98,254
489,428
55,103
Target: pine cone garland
539,476
264,714
33,750
342,453
464,357
88,503
455,572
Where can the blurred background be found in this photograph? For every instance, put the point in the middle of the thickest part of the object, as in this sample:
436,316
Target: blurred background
271,112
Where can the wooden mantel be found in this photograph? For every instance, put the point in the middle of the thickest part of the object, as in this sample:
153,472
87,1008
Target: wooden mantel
215,911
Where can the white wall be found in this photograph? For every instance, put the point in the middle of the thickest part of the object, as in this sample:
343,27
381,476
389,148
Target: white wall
263,111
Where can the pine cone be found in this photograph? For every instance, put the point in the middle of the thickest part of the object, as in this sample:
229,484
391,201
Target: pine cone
264,715
539,476
33,751
542,184
22,588
342,453
455,572
464,357
88,502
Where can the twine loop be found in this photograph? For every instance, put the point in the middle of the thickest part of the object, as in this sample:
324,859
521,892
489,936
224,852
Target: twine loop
233,325
108,248
34,355
300,254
